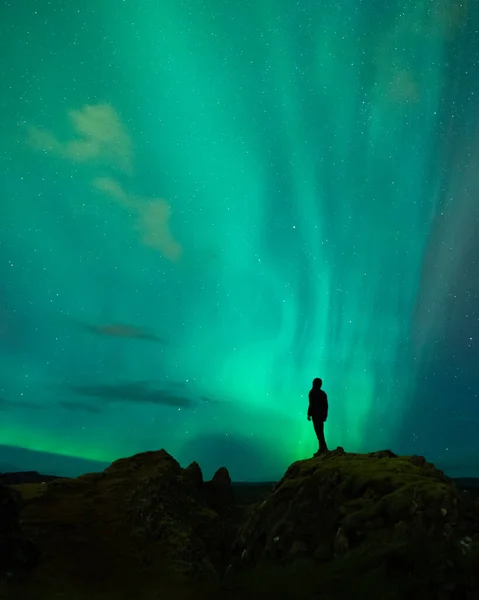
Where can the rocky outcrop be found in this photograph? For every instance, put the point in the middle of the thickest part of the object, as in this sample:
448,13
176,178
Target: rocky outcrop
337,526
18,555
143,526
344,524
219,492
173,508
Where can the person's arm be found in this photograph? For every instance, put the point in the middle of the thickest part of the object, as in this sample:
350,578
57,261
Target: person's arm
309,407
326,406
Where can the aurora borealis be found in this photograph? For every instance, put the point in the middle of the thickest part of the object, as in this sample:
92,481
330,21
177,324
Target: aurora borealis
205,204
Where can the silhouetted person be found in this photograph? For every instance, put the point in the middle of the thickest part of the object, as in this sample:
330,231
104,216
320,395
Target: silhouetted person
318,411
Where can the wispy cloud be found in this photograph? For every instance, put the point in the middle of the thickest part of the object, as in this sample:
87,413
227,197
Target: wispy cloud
79,406
13,404
140,392
122,330
152,217
101,138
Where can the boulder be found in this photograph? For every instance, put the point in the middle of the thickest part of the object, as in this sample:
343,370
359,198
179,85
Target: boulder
343,524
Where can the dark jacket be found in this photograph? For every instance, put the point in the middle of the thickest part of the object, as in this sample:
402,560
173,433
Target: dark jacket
318,405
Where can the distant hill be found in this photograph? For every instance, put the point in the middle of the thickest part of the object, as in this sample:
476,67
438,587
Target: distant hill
25,477
15,460
245,492
470,484
9,468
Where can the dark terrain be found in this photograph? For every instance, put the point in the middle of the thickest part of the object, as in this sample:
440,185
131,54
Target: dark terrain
339,526
245,492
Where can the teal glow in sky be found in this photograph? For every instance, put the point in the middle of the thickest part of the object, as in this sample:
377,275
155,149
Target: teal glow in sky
205,204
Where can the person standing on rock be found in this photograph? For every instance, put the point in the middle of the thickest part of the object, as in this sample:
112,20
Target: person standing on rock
318,412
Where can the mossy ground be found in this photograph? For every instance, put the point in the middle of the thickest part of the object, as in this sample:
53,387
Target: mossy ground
402,520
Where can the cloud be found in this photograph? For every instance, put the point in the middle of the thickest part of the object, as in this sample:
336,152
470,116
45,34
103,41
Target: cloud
122,330
81,406
152,214
112,188
100,136
11,405
139,392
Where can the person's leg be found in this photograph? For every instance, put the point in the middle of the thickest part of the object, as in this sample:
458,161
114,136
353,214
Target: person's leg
319,429
323,446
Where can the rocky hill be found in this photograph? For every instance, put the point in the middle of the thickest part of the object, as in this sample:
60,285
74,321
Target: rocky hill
343,525
339,526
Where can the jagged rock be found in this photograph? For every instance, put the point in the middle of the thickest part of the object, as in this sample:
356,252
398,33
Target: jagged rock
220,492
167,506
194,475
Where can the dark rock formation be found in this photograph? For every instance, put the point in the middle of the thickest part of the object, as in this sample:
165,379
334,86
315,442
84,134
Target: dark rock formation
173,506
346,524
17,554
337,526
219,492
142,527
195,476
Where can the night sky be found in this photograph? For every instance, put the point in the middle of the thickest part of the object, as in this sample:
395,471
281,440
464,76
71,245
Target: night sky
206,203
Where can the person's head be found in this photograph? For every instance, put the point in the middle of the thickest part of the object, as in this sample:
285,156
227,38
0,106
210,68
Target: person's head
317,383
